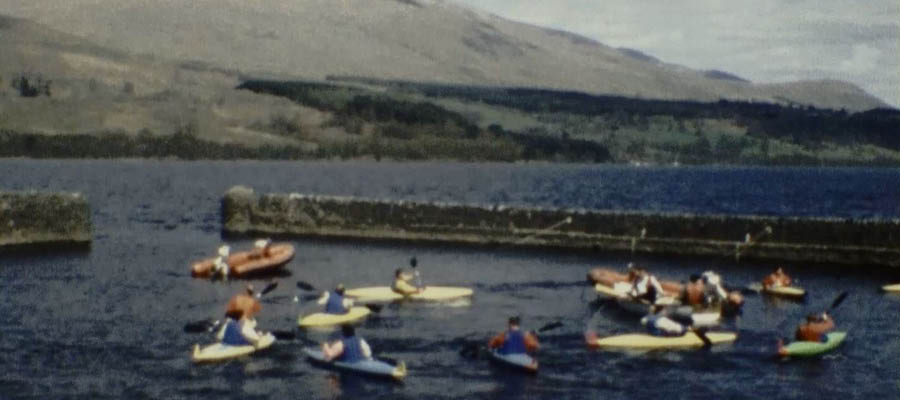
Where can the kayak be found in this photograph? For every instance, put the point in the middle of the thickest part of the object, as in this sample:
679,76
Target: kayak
518,361
786,291
609,277
220,352
645,341
642,307
809,349
324,319
372,366
244,263
891,288
384,293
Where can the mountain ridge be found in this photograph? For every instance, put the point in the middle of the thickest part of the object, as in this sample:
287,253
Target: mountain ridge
435,40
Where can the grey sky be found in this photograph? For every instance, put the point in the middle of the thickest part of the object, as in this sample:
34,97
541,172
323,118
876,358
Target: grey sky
760,40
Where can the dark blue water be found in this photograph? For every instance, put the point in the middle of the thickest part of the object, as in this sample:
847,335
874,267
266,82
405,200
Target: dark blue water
108,323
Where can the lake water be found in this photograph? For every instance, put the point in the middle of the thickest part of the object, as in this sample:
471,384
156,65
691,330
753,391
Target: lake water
107,323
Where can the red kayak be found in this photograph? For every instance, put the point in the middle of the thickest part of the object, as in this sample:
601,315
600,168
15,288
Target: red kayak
248,262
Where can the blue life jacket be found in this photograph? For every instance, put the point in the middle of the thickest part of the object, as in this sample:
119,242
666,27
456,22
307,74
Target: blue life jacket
335,304
233,336
352,350
514,343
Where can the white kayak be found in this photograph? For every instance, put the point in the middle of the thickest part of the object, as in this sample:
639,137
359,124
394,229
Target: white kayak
220,352
325,319
523,362
384,293
645,341
894,288
372,366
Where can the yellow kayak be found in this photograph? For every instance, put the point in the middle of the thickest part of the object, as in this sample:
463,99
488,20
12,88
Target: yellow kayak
384,293
324,319
220,352
895,288
786,291
644,341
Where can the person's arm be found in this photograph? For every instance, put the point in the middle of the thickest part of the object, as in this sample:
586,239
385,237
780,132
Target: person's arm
324,299
221,334
531,342
332,351
249,332
366,350
348,303
404,287
497,341
656,285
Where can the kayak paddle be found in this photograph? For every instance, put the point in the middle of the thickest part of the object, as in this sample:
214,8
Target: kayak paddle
550,326
838,300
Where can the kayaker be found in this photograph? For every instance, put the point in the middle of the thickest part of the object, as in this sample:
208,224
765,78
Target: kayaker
335,302
220,266
713,292
514,341
659,323
814,328
646,286
349,348
692,293
402,283
776,279
240,331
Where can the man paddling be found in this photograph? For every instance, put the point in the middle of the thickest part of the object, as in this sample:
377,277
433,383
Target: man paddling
220,265
645,286
402,283
335,302
349,348
776,279
659,323
815,328
261,249
240,326
514,341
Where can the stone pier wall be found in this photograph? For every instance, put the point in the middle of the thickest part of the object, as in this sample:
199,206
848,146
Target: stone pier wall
829,240
37,219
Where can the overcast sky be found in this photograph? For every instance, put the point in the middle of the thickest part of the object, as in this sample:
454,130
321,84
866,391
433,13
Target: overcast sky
759,40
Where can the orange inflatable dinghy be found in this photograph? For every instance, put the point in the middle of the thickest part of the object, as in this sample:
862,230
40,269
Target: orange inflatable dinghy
248,262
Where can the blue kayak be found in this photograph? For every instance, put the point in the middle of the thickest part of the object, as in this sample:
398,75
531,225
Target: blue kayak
373,367
517,361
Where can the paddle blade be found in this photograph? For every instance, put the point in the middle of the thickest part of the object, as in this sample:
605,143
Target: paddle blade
838,300
375,308
270,287
550,326
413,262
305,286
198,326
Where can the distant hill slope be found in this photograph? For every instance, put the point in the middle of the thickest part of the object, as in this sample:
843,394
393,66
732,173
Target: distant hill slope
418,40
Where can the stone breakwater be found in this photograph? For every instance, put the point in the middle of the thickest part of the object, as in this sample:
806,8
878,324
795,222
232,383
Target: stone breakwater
820,240
38,219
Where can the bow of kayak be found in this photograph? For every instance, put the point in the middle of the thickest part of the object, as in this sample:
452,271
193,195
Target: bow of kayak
522,362
324,319
430,293
220,352
895,288
809,349
785,291
372,367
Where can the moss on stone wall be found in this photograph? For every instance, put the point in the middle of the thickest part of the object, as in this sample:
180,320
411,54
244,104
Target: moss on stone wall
30,218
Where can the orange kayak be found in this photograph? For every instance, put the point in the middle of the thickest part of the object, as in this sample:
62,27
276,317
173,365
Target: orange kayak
609,277
248,262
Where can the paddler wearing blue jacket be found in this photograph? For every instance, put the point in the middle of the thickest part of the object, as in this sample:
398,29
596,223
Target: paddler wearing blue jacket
349,348
335,302
240,326
514,341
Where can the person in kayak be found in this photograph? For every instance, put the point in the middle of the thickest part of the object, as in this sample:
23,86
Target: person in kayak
402,283
335,302
514,341
692,293
814,328
261,249
240,325
645,286
220,265
659,323
776,279
349,348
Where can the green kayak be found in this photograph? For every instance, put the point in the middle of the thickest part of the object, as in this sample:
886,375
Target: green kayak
809,349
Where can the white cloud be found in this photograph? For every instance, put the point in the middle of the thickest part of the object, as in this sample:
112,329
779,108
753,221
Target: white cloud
762,40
